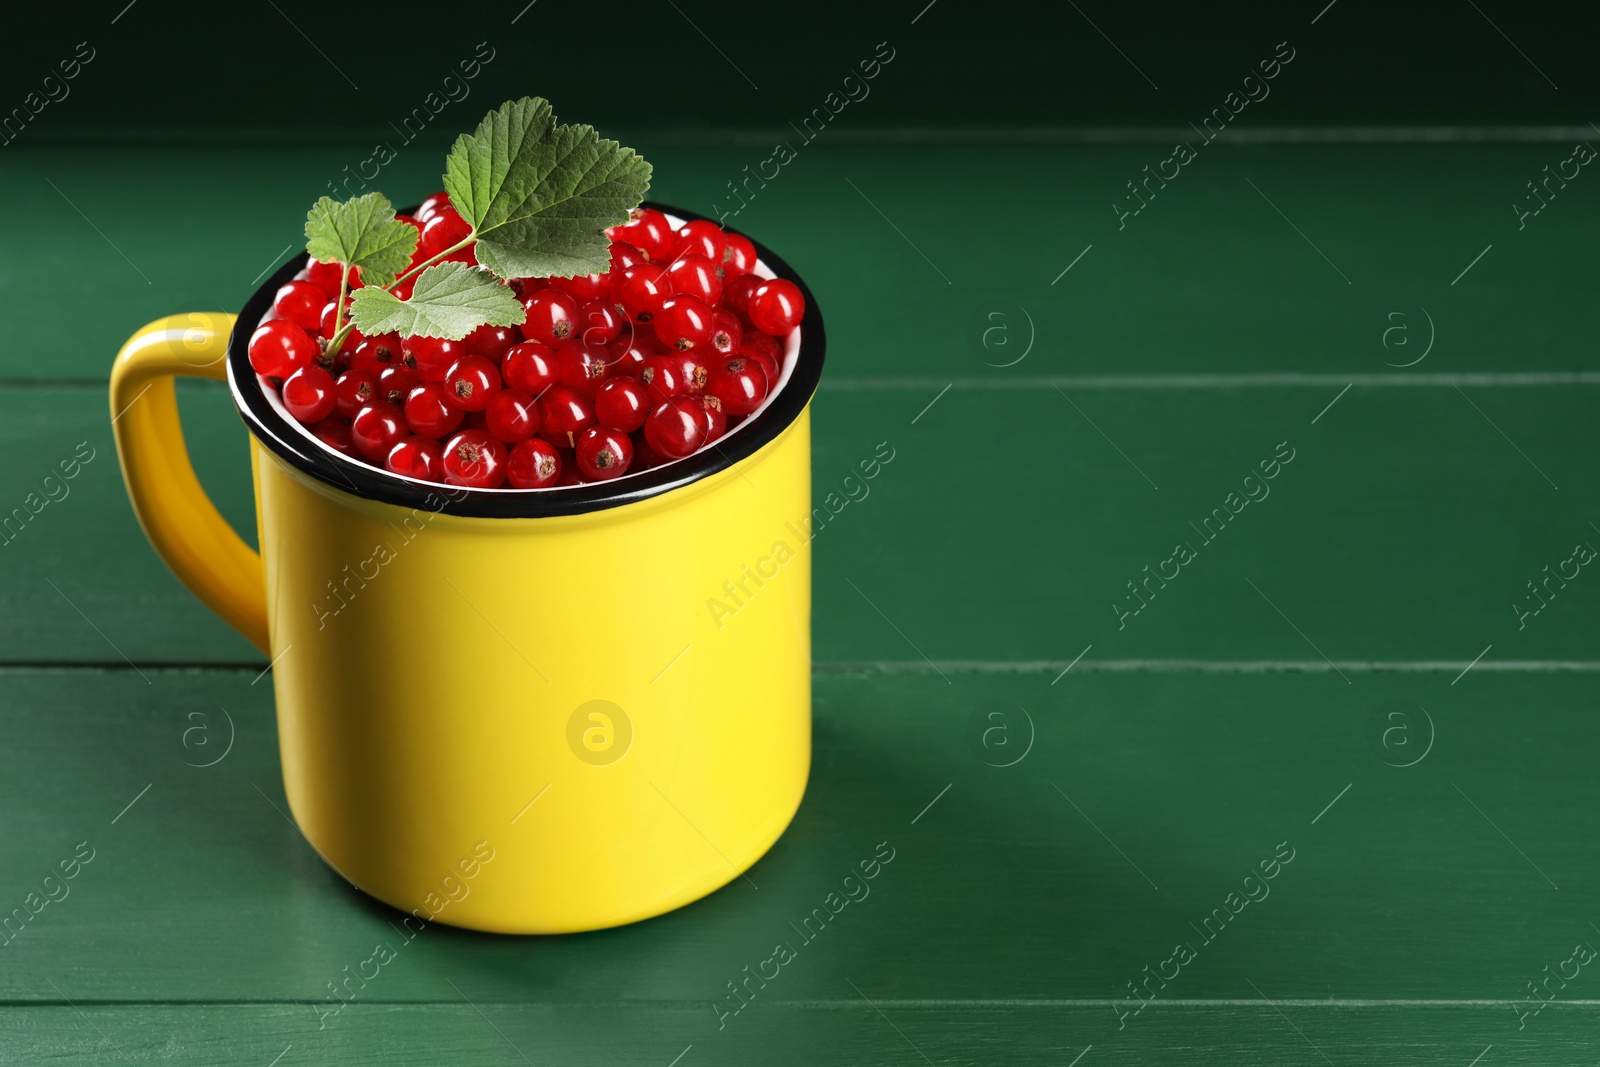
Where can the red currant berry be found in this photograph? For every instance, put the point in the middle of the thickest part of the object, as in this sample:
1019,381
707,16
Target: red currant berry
663,378
581,367
716,418
430,207
300,303
473,458
375,354
740,384
530,367
551,316
325,276
491,342
694,369
334,363
353,390
335,433
325,325
325,320
768,365
641,291
622,404
582,288
564,413
534,464
701,237
676,427
416,457
629,352
431,357
776,307
726,333
375,429
736,292
278,348
695,275
308,394
340,362
445,229
471,382
739,256
649,231
512,416
429,413
603,453
396,382
623,256
766,344
684,323
601,322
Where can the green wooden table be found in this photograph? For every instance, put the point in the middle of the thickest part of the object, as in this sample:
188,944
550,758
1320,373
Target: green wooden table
1343,683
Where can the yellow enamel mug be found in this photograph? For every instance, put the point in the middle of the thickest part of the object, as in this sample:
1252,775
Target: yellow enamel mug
516,711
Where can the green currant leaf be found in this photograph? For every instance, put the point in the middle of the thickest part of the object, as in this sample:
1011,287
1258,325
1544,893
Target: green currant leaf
450,300
362,232
539,195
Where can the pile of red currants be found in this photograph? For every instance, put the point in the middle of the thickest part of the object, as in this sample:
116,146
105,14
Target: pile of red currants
609,373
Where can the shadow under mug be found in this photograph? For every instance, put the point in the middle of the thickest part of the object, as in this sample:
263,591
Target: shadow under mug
515,711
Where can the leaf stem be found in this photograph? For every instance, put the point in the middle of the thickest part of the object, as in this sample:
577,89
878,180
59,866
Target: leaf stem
471,238
338,338
339,333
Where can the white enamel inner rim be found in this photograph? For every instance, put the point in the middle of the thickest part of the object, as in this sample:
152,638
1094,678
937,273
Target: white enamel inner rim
791,350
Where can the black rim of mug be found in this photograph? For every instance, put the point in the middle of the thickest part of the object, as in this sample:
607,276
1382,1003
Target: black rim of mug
353,476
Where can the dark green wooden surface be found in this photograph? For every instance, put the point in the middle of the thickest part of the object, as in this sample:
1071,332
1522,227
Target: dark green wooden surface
1208,279
1177,353
1024,897
841,1031
1006,526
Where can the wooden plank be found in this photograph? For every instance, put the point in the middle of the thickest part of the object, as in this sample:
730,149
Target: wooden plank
1143,802
78,580
1006,528
842,1031
1251,261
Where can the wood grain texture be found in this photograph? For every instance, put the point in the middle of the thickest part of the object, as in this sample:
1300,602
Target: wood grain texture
1253,260
1267,698
1404,529
841,1031
1143,802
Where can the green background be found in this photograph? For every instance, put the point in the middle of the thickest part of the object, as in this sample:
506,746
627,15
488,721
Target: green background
1342,669
275,67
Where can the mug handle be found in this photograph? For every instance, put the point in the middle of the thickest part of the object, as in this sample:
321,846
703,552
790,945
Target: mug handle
185,528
